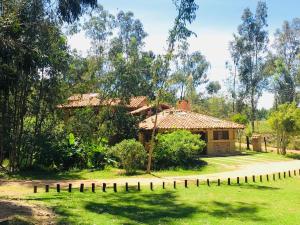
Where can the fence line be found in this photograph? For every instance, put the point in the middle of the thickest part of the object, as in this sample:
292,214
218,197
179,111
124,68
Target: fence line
208,183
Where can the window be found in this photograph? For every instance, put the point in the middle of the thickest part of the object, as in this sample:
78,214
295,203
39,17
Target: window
221,135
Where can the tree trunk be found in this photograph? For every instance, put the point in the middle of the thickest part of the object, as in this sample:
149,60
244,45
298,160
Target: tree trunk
152,139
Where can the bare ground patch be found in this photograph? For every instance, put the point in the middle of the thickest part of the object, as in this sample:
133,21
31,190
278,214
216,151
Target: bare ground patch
21,212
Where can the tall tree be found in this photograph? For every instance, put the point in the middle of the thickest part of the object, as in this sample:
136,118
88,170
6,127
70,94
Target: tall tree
31,66
250,44
284,64
186,14
191,70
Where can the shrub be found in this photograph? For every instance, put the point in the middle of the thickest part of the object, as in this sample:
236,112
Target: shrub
179,148
98,155
131,155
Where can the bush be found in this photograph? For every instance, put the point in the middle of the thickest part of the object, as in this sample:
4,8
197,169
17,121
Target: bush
98,155
131,155
179,148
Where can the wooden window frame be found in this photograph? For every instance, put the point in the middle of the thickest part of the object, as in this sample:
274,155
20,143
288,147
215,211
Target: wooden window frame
220,135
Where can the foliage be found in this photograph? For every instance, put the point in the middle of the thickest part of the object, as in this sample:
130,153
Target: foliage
213,87
286,122
177,149
131,154
283,65
248,49
191,71
214,106
240,118
31,68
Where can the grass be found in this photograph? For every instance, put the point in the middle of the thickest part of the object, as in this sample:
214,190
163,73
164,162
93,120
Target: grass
274,202
208,165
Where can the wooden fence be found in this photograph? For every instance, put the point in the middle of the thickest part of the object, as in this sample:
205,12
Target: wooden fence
186,183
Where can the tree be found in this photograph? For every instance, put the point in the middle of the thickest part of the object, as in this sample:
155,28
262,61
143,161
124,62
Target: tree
250,45
235,56
286,122
284,65
191,70
213,87
31,67
122,68
186,14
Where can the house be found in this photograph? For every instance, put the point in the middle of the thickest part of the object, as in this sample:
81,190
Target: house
137,106
220,135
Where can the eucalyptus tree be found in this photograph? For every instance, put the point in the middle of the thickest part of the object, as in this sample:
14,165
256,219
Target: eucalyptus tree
250,45
186,14
191,70
284,64
213,87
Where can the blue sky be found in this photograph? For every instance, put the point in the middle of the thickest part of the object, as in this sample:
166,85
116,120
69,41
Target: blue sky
216,21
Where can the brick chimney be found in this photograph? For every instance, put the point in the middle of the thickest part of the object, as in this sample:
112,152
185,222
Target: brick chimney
184,105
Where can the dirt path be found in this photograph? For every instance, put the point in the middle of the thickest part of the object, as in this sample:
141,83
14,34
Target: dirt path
25,187
17,211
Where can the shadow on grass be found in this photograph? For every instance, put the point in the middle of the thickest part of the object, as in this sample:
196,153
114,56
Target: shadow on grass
43,175
243,210
150,208
147,208
255,186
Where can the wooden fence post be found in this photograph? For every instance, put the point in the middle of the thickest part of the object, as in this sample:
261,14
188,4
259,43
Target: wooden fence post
260,178
289,173
197,182
265,140
174,184
104,187
70,188
185,184
207,181
294,172
81,187
267,177
253,178
139,186
163,185
126,187
228,181
47,188
248,142
246,179
238,180
115,187
219,182
58,187
284,174
151,186
274,178
279,176
34,189
93,187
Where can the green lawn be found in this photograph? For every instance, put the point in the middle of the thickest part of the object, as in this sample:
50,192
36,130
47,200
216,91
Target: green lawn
208,165
275,202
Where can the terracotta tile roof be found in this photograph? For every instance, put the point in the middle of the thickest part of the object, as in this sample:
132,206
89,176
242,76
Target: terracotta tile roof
147,107
179,119
92,99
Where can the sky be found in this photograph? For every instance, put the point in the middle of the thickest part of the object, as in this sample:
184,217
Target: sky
215,24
